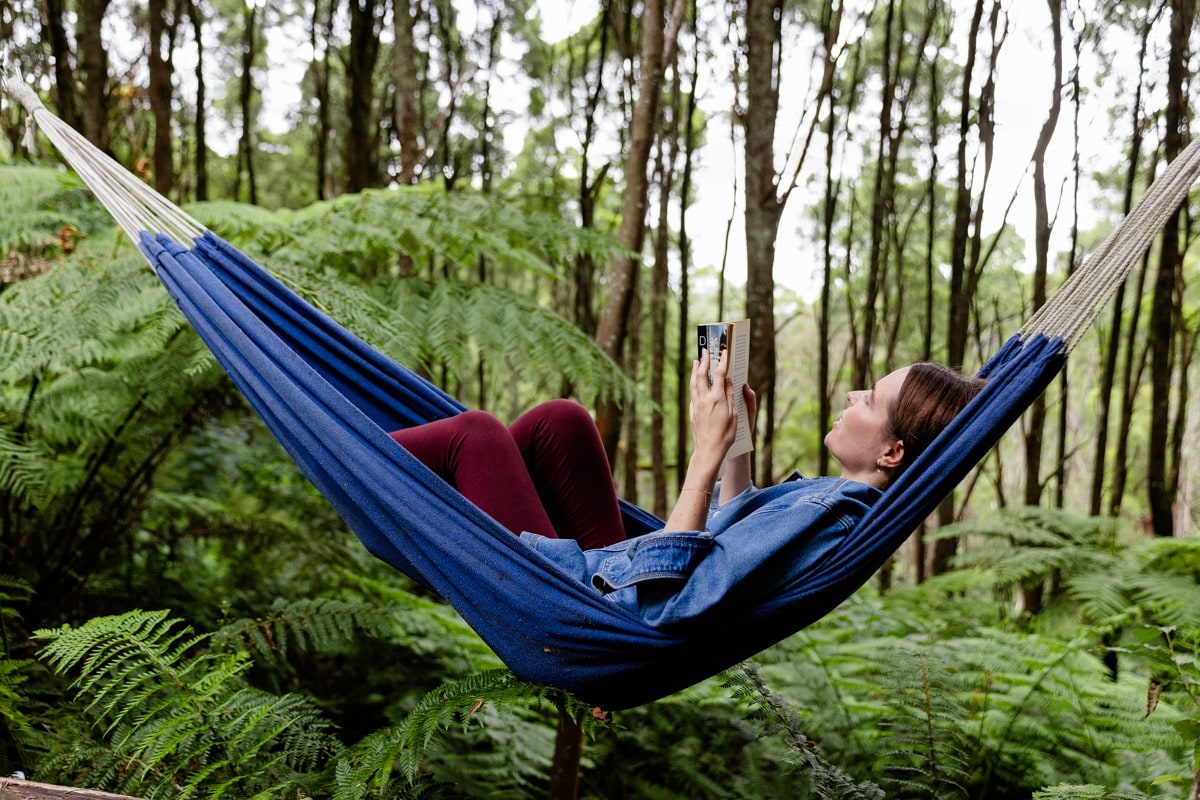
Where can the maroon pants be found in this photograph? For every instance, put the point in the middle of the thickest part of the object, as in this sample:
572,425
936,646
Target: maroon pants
546,474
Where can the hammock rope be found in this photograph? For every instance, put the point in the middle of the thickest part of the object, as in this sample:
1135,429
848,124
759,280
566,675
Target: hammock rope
329,398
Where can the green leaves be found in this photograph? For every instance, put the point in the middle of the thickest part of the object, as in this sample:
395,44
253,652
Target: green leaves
183,715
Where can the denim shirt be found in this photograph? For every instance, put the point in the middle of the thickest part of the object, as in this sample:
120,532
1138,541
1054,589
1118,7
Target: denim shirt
756,545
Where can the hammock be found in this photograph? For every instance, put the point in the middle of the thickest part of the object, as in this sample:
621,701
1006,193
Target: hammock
330,399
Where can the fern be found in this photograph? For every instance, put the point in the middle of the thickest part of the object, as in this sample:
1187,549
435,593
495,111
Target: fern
306,624
368,766
182,715
449,323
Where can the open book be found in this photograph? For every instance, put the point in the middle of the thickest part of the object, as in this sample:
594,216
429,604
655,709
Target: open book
717,337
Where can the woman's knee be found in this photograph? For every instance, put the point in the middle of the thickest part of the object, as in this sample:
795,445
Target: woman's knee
482,425
563,414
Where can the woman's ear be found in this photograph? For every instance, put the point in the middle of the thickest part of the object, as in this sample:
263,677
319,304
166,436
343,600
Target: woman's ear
893,456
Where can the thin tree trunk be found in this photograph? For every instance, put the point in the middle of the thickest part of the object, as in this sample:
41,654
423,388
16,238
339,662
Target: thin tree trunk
407,87
1161,473
825,307
764,38
880,206
201,103
668,145
1061,457
687,338
362,141
613,328
1036,416
589,186
54,31
944,550
1031,595
320,31
1108,375
93,63
162,68
246,143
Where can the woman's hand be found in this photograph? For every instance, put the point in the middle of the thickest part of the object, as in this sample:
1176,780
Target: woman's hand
714,428
712,411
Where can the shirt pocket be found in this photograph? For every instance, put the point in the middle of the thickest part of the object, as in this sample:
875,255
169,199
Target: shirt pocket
653,557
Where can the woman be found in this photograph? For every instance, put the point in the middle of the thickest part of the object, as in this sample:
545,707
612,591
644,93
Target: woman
546,478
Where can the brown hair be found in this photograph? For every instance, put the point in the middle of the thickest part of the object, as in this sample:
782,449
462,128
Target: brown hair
930,397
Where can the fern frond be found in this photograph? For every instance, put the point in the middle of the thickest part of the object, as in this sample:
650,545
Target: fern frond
306,624
182,715
368,765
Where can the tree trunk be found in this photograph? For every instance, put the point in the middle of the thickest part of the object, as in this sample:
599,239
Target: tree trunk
1036,416
246,143
1031,595
362,141
668,146
880,206
201,144
408,89
568,750
1108,376
613,327
687,336
584,305
959,308
162,68
764,37
54,31
93,62
1162,469
320,33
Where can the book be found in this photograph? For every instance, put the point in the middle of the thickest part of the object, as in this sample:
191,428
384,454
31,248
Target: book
717,337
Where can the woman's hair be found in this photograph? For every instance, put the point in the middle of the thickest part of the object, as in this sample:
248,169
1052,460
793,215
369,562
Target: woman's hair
930,397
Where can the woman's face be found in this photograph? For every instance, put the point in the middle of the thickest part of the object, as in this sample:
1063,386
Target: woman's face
859,437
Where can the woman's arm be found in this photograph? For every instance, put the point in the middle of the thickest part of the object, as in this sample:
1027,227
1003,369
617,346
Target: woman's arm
737,470
714,427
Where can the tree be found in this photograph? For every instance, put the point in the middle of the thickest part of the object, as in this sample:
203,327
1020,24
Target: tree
1108,375
246,145
201,143
658,50
1162,471
362,141
162,23
1031,595
966,260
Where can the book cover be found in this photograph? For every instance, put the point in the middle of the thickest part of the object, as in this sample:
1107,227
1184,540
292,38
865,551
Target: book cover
717,337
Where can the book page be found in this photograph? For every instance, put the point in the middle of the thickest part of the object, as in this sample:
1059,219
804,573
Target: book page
739,359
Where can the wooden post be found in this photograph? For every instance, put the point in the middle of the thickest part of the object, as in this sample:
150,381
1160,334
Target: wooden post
13,789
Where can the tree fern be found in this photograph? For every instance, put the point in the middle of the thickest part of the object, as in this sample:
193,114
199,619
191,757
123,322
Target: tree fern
446,322
182,715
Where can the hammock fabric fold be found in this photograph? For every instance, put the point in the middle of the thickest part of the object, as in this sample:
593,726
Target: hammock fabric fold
330,399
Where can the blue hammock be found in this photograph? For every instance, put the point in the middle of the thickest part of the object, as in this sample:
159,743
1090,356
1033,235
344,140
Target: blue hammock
330,399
